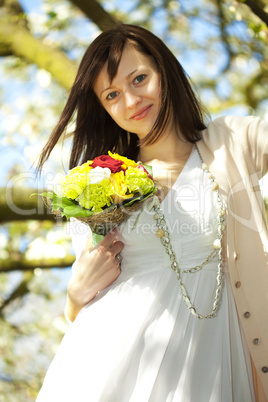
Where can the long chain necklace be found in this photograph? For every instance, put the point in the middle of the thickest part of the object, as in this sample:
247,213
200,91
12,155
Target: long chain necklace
164,235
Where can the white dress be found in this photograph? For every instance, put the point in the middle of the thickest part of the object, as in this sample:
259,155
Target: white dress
137,341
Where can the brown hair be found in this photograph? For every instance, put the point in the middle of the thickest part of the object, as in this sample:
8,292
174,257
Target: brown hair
95,131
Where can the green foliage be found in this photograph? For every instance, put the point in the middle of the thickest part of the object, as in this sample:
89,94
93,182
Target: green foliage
64,206
31,329
29,244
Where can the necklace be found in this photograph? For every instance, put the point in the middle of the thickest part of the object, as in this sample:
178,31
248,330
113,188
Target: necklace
164,236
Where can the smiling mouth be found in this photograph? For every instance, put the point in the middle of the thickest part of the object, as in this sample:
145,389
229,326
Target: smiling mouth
141,113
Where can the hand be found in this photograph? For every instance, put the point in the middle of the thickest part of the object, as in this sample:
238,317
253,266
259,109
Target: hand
96,269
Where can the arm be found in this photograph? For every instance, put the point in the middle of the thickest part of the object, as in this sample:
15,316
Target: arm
257,137
252,134
96,269
249,134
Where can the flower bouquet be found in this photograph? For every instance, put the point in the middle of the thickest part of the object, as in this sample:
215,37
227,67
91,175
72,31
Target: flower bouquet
103,192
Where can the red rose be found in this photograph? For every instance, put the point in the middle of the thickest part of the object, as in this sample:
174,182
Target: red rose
106,161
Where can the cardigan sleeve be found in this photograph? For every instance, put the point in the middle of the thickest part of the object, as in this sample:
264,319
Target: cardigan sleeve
257,141
252,134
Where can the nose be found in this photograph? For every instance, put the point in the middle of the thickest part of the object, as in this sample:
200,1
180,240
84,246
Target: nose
132,99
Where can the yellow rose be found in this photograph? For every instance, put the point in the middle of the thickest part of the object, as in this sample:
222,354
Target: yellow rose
127,162
120,187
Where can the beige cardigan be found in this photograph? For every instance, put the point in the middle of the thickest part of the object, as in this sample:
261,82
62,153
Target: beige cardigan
236,151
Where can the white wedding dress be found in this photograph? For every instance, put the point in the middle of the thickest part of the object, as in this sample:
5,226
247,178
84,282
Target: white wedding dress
137,341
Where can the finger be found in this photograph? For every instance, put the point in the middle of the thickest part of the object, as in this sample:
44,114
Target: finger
117,247
109,239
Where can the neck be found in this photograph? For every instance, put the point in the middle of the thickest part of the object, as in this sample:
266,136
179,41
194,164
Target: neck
170,148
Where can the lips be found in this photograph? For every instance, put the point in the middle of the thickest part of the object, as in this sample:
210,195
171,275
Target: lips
140,114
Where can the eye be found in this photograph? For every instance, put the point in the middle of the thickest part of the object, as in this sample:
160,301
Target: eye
139,79
112,95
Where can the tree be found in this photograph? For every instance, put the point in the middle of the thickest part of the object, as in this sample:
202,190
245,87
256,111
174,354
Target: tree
40,53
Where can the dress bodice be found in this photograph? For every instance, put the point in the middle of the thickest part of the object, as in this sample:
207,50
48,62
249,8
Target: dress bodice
190,210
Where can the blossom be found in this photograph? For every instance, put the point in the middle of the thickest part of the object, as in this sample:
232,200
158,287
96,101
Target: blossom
76,181
80,169
120,188
106,161
119,183
97,174
126,162
97,196
138,181
99,183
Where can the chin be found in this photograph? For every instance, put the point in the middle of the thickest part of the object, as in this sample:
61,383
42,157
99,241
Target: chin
143,134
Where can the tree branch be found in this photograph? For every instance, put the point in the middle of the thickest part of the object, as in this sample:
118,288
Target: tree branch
30,265
13,6
224,34
18,205
20,290
17,40
253,88
94,11
257,7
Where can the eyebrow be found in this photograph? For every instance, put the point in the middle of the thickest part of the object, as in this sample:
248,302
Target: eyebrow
127,77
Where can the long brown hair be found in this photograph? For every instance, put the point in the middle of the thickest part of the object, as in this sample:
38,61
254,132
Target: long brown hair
95,131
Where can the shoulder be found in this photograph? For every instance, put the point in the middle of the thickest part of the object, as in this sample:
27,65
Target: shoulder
241,138
237,124
244,129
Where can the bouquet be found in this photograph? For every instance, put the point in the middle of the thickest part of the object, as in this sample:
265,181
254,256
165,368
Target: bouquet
103,192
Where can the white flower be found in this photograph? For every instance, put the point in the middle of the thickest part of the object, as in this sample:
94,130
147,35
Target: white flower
97,174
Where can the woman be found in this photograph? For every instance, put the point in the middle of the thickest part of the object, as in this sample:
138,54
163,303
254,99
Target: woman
141,331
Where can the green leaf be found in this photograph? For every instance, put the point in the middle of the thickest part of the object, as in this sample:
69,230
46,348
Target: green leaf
96,238
62,202
52,14
148,168
75,211
138,198
46,194
65,206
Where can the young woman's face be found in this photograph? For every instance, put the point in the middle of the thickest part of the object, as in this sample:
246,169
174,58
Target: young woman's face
132,99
